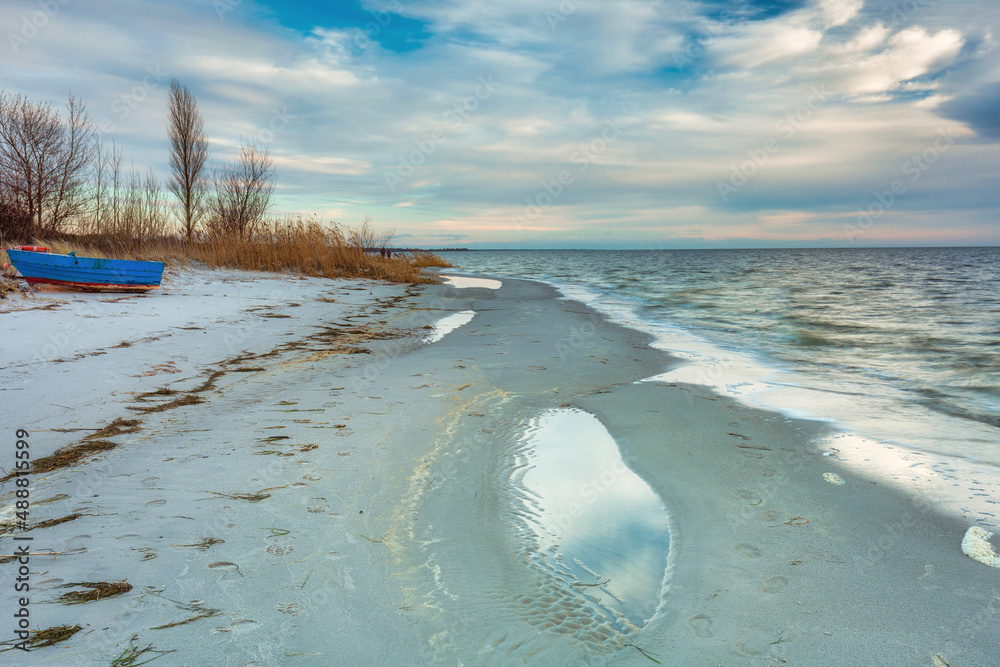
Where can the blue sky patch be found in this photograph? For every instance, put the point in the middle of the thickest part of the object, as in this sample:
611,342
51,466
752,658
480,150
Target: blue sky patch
749,10
393,32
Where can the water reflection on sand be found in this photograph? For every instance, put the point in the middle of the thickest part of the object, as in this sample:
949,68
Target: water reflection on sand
601,521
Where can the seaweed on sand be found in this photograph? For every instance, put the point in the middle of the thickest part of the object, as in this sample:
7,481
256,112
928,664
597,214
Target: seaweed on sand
8,527
203,545
129,656
65,457
117,427
200,612
209,383
99,590
163,391
246,497
187,399
50,636
648,654
48,523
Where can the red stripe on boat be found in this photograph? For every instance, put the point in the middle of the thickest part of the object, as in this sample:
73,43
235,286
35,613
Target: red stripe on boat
96,287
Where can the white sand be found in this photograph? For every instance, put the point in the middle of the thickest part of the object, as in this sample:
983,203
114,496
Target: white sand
350,508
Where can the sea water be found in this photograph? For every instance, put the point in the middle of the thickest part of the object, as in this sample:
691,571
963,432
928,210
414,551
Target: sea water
900,345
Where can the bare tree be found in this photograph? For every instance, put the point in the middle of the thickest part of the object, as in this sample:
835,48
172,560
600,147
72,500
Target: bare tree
145,206
99,192
243,190
188,155
29,143
44,162
75,156
15,221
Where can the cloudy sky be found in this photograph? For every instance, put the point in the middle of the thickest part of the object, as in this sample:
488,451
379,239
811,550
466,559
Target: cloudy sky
562,123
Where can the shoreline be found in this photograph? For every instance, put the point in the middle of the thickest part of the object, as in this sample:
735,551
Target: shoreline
965,485
379,494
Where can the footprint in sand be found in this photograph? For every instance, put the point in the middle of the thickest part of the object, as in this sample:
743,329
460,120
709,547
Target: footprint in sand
701,626
747,550
754,646
774,585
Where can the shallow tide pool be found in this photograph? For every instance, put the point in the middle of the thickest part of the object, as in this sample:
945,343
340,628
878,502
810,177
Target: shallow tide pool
596,523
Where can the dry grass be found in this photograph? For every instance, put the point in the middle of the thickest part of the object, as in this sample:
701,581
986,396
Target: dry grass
422,258
311,249
6,286
303,246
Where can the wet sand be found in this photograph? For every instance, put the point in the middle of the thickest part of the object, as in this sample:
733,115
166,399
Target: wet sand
365,495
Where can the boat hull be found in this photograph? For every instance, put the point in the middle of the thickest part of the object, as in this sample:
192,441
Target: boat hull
86,273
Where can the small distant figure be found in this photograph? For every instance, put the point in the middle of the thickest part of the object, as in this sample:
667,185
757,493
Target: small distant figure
382,252
388,254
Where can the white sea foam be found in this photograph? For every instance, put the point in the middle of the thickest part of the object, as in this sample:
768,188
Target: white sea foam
463,282
976,547
446,325
812,336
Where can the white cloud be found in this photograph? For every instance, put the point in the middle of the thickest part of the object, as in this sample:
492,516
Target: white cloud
911,53
347,115
755,44
839,12
933,101
868,39
690,121
321,165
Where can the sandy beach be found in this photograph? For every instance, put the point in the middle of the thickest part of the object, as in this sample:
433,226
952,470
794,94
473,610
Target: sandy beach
307,471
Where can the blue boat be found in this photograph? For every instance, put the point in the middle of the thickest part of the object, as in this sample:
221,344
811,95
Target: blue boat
38,266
